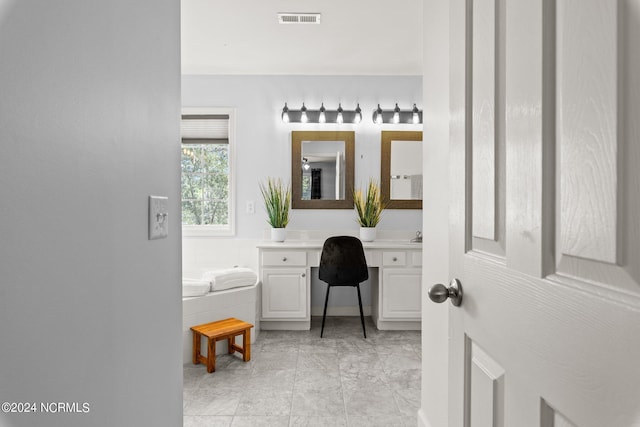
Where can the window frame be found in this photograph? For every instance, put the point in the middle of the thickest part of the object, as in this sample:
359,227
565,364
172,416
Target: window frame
217,230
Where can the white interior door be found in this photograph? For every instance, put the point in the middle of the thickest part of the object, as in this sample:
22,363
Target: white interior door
338,175
545,213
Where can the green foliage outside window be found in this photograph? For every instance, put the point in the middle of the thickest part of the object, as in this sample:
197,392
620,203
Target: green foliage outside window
205,184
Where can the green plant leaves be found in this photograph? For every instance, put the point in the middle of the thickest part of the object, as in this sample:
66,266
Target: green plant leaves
369,206
277,201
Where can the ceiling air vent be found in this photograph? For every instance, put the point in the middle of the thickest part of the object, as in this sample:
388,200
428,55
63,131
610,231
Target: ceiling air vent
298,18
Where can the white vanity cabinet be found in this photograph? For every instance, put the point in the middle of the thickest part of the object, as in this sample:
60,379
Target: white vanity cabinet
399,290
284,293
285,288
400,293
396,289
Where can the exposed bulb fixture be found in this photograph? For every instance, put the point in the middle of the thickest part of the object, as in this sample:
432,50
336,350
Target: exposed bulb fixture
358,116
323,117
396,114
285,113
378,116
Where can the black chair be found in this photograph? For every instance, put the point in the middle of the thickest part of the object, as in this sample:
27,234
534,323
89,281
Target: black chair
342,263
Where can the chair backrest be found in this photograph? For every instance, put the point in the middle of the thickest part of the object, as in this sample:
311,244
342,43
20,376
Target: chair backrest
342,261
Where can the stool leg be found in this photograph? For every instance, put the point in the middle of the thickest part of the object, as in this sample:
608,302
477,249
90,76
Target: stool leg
246,345
211,355
361,315
196,348
324,314
230,341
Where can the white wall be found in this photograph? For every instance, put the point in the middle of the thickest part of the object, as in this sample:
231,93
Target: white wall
89,308
264,149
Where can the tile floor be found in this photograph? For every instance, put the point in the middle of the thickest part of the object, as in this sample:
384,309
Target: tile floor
295,378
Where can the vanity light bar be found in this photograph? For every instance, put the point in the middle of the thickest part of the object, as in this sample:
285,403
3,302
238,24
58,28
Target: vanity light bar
321,115
397,116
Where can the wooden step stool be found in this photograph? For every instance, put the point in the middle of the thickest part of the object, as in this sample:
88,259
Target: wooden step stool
215,331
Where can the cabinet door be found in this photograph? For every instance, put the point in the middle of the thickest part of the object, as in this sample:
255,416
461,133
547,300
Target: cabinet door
284,293
401,293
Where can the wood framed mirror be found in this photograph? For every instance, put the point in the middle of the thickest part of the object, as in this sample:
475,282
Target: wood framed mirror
322,169
401,169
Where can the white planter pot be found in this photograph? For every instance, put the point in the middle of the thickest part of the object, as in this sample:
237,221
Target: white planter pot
278,234
367,234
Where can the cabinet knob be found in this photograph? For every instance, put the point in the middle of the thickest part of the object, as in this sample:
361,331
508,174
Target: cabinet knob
304,274
395,259
284,259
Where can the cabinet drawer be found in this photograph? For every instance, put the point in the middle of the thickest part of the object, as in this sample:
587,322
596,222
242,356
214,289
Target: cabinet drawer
391,259
284,258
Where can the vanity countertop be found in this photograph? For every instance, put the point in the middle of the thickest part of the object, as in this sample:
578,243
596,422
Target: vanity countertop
317,244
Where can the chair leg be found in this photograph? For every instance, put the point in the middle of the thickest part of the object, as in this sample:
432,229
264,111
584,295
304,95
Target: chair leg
361,314
324,314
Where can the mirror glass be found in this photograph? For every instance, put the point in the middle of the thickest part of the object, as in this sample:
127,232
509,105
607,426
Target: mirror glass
401,169
322,169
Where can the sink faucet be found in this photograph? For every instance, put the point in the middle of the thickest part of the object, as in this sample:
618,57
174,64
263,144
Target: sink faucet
418,238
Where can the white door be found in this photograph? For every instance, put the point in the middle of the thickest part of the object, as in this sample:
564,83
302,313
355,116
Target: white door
545,213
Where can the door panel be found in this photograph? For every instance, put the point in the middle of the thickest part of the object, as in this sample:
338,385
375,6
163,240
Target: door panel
587,117
548,329
485,393
552,418
483,26
487,88
599,203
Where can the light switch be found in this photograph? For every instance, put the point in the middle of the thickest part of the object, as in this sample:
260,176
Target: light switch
158,217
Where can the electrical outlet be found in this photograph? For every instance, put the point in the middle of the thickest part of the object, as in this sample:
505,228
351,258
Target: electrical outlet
158,217
251,208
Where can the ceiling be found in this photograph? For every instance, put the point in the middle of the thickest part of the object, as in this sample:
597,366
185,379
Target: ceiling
355,37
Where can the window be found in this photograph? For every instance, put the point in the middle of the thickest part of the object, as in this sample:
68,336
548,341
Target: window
207,179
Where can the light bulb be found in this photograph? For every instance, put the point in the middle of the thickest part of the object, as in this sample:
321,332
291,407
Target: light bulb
416,115
322,118
339,119
303,114
396,114
378,118
358,116
285,113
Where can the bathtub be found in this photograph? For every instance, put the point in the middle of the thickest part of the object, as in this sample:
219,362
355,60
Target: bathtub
242,303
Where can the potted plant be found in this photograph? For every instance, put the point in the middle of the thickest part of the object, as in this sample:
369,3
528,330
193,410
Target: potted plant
369,207
277,202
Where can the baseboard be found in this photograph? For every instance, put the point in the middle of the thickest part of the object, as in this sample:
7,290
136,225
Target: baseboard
285,325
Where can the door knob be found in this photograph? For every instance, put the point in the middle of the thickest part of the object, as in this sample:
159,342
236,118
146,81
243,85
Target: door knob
439,292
